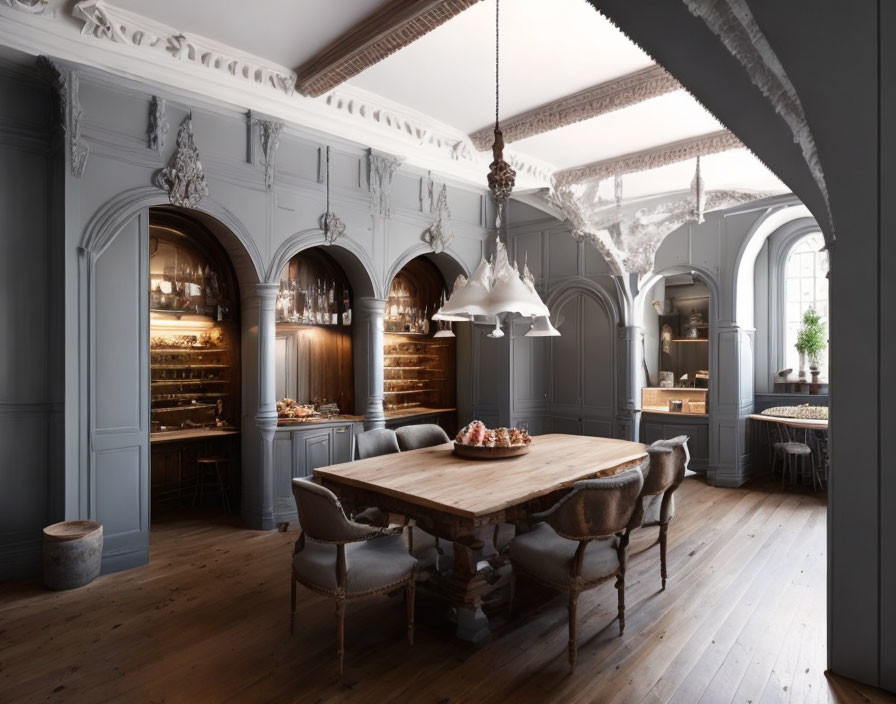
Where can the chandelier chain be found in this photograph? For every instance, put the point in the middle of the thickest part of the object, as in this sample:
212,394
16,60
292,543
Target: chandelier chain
497,60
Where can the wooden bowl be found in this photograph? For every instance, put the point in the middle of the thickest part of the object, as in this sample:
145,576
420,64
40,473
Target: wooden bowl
471,452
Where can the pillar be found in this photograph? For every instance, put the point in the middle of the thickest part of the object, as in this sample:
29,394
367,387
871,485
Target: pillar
368,339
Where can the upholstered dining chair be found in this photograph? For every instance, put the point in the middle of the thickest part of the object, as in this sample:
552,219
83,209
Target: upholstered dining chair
668,462
373,443
337,557
581,542
413,437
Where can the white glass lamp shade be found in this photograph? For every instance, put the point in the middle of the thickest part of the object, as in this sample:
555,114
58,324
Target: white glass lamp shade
511,295
470,299
541,327
447,332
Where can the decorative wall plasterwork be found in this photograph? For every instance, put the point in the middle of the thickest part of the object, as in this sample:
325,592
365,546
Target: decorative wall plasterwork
439,235
158,124
184,178
32,7
105,21
382,171
733,22
654,158
67,86
333,227
269,137
603,98
629,242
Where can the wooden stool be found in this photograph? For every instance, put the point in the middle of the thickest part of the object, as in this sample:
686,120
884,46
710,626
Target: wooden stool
796,452
210,475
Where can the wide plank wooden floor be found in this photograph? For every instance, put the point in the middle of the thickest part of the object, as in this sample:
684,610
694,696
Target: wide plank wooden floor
742,620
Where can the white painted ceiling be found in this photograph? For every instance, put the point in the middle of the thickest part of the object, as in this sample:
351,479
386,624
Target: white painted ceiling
549,50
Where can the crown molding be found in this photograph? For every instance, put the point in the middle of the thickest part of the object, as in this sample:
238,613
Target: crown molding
605,97
652,158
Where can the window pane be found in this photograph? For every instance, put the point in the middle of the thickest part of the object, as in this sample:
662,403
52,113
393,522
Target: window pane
805,287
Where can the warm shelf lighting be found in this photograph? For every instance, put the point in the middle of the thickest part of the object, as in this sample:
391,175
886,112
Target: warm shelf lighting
180,324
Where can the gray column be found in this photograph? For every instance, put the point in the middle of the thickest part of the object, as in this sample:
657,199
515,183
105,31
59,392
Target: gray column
368,338
266,416
630,356
730,402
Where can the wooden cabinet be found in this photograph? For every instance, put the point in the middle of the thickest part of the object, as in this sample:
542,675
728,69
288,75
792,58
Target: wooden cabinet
655,426
298,451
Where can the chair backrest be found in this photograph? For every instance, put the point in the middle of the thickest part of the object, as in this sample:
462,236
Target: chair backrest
373,443
322,517
597,508
679,447
413,437
662,471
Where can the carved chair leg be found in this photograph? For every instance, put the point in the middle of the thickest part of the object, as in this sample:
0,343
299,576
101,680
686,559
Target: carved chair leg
292,613
340,632
573,623
410,592
664,528
620,590
512,593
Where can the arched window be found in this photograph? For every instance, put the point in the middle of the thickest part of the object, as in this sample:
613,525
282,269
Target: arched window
805,286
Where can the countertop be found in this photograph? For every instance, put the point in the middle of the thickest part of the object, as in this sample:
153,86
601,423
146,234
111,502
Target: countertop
192,434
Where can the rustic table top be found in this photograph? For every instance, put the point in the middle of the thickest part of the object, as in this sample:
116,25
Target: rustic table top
807,423
434,478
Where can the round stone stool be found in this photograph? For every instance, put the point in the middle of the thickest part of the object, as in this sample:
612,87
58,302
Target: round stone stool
73,553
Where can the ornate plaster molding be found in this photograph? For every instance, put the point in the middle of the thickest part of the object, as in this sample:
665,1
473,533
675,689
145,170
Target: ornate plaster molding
439,235
382,171
32,7
333,227
733,22
269,137
384,32
67,86
104,21
600,99
652,158
158,124
183,178
629,241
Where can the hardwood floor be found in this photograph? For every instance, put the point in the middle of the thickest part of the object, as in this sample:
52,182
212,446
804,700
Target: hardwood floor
742,620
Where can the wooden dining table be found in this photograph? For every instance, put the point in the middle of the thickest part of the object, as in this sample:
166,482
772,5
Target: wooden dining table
461,500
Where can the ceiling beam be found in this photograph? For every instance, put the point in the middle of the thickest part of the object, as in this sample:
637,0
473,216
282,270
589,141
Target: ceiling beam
398,24
605,97
652,158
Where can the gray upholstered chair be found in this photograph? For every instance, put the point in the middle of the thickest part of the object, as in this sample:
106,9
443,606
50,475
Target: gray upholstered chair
373,443
581,542
414,437
345,560
668,462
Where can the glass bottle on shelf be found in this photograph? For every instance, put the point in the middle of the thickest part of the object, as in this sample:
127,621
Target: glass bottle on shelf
346,309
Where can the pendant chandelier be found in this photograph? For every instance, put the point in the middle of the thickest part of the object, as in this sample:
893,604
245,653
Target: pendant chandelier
498,288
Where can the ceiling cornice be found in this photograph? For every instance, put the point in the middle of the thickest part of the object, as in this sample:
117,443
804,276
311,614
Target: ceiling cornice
616,94
400,23
653,158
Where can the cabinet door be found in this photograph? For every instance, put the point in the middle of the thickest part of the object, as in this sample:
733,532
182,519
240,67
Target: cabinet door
317,447
342,444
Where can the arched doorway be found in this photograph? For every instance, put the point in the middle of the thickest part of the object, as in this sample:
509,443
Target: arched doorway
583,363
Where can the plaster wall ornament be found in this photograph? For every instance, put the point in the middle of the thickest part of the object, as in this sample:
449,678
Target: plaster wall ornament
333,227
427,186
733,22
605,97
652,158
269,136
107,22
439,235
629,244
382,171
32,7
67,86
158,124
183,178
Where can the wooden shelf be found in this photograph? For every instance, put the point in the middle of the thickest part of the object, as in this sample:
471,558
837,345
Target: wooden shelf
186,350
188,407
189,366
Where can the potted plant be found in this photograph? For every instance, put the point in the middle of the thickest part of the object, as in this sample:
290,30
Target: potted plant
811,341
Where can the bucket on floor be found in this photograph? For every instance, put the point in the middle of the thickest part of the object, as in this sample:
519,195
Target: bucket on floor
73,552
